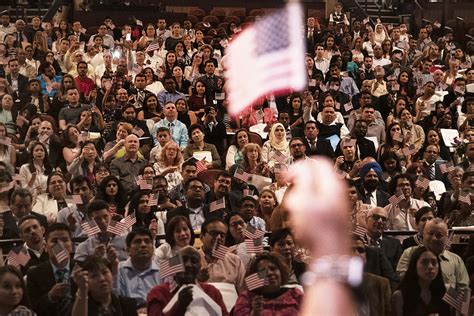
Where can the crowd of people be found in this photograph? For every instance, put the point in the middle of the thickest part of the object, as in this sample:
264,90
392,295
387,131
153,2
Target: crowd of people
120,161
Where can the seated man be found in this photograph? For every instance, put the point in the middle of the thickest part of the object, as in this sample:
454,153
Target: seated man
31,233
48,285
188,171
222,184
230,269
139,273
161,295
248,208
103,244
194,208
453,269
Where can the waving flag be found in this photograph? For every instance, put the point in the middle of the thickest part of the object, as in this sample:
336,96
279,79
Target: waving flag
254,245
18,257
256,280
116,228
395,199
267,57
130,220
90,228
460,301
253,233
217,205
171,266
220,251
60,253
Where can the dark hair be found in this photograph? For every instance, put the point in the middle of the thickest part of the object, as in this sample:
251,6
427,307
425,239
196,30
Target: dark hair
96,205
229,240
137,231
28,217
48,168
278,235
99,165
21,192
95,264
392,186
411,289
79,179
55,173
272,257
57,227
209,221
11,269
186,184
422,211
189,162
196,126
171,227
390,155
235,142
135,200
120,198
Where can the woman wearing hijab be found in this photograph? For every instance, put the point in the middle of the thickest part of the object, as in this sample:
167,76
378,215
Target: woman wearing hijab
276,146
380,33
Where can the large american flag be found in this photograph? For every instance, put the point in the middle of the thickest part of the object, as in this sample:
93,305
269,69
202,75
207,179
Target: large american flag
171,266
267,57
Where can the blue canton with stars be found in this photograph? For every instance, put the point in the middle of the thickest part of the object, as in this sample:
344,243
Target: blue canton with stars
272,33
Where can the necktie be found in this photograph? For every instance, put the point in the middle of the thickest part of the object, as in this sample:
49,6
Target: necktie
141,97
432,172
312,144
170,127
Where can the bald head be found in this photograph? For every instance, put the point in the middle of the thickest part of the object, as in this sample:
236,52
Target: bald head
435,235
132,144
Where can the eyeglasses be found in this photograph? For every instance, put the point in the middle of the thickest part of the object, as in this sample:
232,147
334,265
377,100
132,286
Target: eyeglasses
376,217
296,145
196,187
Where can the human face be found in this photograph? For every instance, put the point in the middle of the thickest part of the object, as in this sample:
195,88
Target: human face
200,88
129,114
131,144
236,228
21,206
181,106
285,247
427,267
171,152
11,292
72,96
280,133
368,114
195,191
182,234
82,70
390,165
434,236
267,200
371,180
431,153
122,133
90,152
177,72
328,115
73,135
7,102
141,248
360,129
57,187
284,119
297,149
170,111
38,153
242,139
83,190
111,189
404,187
311,131
100,282
210,68
273,275
426,218
102,218
189,172
406,116
222,185
192,266
31,231
252,154
395,129
247,210
163,138
376,222
214,235
296,104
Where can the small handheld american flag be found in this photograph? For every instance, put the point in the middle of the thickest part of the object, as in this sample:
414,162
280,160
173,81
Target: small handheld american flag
200,166
446,167
155,45
116,228
60,253
242,175
422,182
254,245
171,266
220,251
90,228
279,156
459,301
256,280
217,205
18,257
395,199
360,231
253,233
130,220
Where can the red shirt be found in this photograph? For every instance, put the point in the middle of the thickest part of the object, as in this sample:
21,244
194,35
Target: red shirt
85,86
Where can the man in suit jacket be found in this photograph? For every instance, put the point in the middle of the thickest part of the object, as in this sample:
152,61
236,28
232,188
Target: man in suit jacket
390,247
370,191
32,234
222,184
213,83
20,205
315,145
49,286
377,294
312,34
16,81
194,209
430,156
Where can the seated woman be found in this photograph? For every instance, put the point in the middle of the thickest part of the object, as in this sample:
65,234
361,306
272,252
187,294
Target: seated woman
71,140
252,160
395,144
111,191
273,298
417,135
267,202
282,242
101,170
84,163
95,295
162,294
196,134
422,287
422,216
199,99
34,174
169,164
14,299
54,200
185,116
140,205
235,236
115,149
179,234
275,145
234,152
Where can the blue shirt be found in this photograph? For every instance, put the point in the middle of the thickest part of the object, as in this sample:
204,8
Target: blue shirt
137,284
179,131
166,97
44,90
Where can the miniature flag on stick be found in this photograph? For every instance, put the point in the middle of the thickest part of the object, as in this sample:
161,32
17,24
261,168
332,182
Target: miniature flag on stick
267,57
60,253
410,150
171,266
395,199
200,166
422,182
130,220
457,300
153,201
253,233
18,257
220,251
256,280
90,228
155,45
116,228
217,205
279,156
242,175
360,231
446,167
254,245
